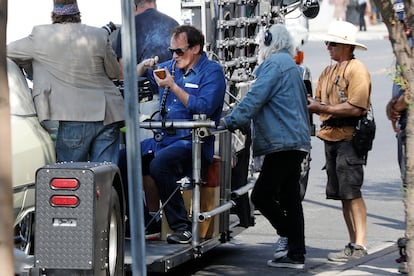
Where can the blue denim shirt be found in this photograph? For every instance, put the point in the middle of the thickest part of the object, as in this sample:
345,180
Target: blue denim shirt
277,103
205,83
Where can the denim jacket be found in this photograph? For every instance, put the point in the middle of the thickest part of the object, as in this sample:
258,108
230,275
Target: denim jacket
277,103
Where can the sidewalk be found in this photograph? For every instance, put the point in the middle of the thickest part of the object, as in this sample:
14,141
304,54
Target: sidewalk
319,25
382,262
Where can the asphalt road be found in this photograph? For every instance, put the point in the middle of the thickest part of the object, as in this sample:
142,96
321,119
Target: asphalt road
247,253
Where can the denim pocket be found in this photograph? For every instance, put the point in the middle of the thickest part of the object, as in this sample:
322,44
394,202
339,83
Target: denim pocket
73,134
111,132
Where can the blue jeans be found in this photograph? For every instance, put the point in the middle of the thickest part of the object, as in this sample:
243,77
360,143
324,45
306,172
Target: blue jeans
87,141
169,165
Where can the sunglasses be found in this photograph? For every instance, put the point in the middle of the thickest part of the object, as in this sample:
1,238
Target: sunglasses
178,51
332,44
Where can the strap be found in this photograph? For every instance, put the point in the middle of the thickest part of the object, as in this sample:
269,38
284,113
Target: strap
333,122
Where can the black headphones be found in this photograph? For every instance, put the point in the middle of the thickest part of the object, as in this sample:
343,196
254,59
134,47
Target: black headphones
267,37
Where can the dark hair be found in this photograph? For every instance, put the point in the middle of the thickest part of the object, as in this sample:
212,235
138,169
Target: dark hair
140,2
72,18
194,35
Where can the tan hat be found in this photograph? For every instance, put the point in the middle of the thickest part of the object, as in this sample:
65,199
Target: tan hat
65,7
344,33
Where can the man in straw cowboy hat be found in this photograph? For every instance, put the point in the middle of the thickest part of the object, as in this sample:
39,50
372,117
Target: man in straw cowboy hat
342,95
72,66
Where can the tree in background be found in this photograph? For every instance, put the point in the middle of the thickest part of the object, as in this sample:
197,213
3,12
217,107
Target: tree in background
6,193
405,59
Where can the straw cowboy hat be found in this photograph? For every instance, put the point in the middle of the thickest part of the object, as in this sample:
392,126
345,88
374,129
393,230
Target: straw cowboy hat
344,33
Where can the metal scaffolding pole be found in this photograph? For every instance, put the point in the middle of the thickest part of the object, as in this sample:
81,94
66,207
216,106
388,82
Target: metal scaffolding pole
133,147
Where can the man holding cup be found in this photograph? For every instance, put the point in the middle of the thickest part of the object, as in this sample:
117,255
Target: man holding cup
193,84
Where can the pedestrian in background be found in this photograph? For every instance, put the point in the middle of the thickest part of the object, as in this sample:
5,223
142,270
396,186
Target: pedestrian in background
341,96
72,66
276,102
362,7
375,13
339,12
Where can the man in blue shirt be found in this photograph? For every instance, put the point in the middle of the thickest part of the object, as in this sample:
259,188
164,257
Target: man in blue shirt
153,30
194,85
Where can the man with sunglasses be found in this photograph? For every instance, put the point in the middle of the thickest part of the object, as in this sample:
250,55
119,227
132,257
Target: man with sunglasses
341,96
193,84
153,29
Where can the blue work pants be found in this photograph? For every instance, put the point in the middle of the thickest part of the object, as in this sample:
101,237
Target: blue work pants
169,165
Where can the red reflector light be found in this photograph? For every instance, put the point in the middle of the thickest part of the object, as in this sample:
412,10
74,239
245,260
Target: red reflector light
64,183
64,201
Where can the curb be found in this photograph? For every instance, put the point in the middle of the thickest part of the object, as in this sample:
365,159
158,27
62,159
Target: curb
355,263
332,268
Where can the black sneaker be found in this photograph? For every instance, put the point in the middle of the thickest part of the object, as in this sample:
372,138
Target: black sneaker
181,236
286,262
281,248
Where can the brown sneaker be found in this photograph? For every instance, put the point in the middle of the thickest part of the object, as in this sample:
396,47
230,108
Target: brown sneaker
358,252
343,255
